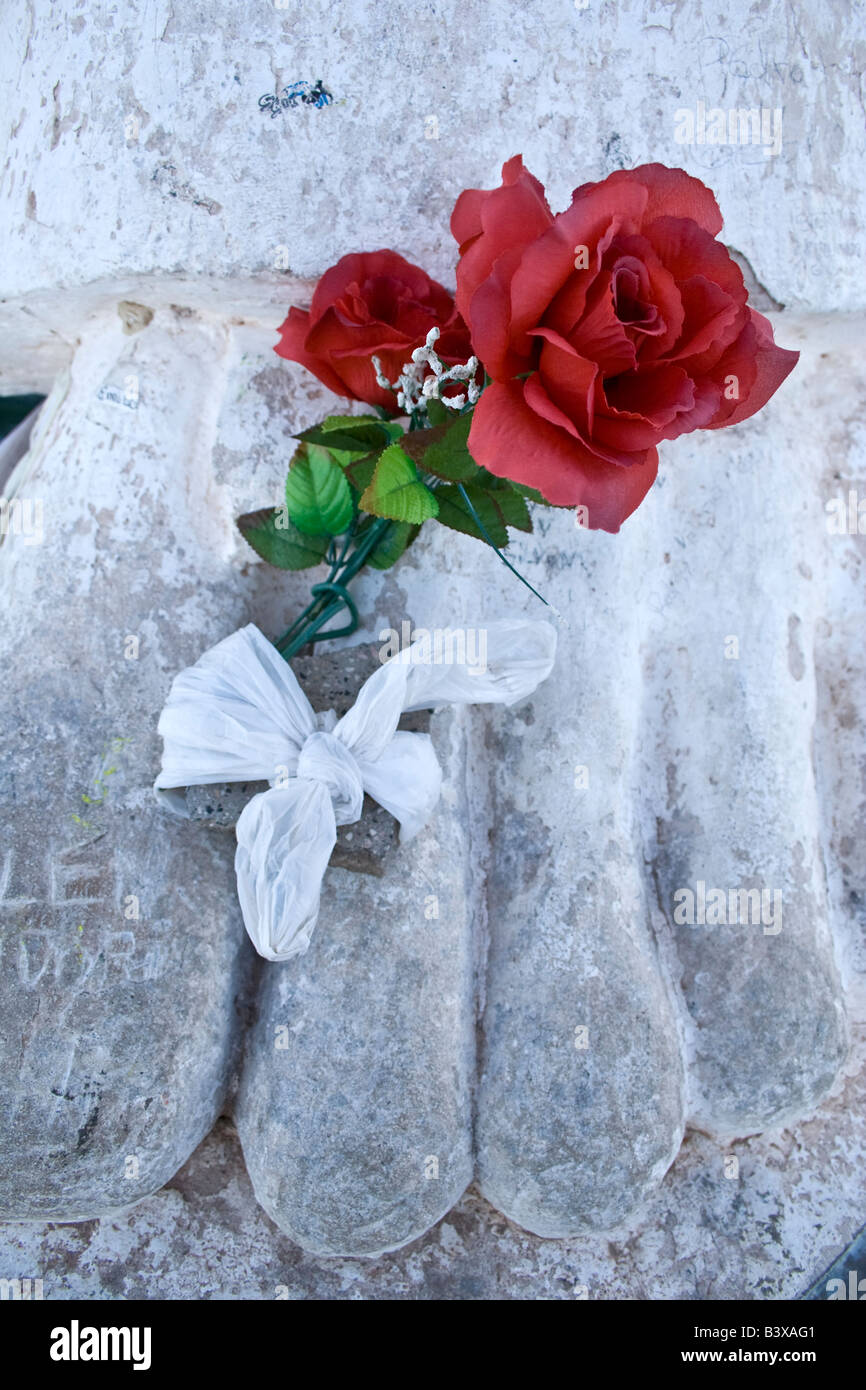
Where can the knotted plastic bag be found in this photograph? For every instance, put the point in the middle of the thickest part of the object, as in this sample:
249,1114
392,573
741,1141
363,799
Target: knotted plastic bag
239,714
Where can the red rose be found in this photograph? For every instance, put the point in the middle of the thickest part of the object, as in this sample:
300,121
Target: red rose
371,303
652,339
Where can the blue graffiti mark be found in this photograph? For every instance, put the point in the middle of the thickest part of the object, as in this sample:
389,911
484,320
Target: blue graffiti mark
297,93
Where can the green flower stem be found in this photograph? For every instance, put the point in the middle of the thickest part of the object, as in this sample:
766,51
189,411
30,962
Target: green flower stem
479,523
348,554
308,626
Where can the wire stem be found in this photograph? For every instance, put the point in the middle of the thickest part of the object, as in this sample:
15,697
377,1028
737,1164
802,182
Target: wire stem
480,524
331,597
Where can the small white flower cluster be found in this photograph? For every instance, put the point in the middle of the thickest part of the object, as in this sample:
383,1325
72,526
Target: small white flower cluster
414,387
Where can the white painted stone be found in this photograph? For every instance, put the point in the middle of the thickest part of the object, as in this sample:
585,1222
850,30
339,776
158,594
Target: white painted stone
582,1102
122,945
764,1235
728,775
135,145
139,167
354,1111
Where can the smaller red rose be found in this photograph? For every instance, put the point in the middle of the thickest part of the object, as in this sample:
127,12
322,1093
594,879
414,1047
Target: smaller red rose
371,303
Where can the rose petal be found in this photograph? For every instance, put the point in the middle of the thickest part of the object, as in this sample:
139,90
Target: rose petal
359,377
331,338
686,250
564,391
672,193
599,335
292,345
655,395
548,262
569,380
363,266
511,441
466,217
575,417
663,292
771,365
696,404
710,315
453,344
510,216
490,314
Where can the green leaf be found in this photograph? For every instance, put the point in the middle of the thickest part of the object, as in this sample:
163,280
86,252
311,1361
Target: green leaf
454,512
317,493
360,471
281,544
351,436
350,422
531,494
396,490
417,442
437,413
448,455
397,539
511,506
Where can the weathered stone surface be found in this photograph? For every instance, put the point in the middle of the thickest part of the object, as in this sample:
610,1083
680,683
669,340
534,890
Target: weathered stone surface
147,117
218,805
122,186
123,950
635,710
581,1106
577,926
354,1109
762,1233
729,773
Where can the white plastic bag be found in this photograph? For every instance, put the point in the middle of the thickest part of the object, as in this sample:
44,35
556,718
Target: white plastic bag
239,714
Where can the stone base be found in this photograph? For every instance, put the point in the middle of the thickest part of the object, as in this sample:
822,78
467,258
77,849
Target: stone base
767,1235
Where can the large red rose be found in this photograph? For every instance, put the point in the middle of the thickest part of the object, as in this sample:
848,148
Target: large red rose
593,367
371,303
